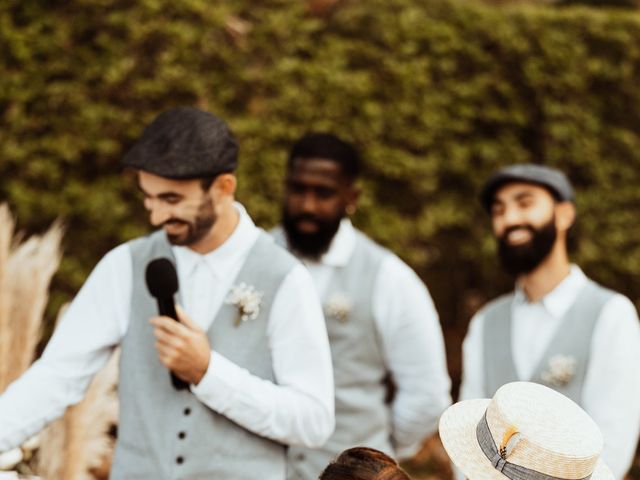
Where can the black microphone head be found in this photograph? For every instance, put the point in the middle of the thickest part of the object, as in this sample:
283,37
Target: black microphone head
162,279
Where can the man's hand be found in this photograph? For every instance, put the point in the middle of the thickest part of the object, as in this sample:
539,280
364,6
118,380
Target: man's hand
182,347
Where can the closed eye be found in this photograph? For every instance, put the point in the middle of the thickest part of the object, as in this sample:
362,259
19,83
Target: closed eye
171,198
325,193
525,199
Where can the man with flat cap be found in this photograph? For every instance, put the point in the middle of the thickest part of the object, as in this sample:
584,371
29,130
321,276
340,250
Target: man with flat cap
558,327
250,345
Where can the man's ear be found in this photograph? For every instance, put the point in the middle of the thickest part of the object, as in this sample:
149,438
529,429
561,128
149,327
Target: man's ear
565,215
353,195
224,185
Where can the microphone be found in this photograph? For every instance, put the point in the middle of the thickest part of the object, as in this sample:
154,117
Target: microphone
162,282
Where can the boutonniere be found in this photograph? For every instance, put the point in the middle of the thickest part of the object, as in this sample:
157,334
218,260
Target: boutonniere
338,307
247,299
560,370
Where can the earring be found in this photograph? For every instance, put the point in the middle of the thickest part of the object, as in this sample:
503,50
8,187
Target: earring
351,209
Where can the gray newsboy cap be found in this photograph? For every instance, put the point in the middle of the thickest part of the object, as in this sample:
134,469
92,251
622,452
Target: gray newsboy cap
553,180
184,143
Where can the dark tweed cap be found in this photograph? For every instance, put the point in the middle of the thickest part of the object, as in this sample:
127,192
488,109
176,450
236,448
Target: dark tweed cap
553,180
184,143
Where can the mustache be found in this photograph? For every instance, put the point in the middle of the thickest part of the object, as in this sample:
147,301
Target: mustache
306,217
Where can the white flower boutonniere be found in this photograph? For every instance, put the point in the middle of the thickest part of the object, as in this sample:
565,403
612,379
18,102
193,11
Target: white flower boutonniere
560,370
338,307
248,301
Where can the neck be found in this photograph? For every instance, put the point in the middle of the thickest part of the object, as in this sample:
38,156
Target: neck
546,276
223,228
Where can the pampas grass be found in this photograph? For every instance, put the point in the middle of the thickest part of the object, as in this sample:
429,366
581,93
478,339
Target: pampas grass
78,446
26,269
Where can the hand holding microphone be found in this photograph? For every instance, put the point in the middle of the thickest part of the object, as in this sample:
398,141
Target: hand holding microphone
183,347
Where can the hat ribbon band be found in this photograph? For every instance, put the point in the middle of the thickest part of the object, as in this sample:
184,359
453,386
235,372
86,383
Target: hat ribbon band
510,470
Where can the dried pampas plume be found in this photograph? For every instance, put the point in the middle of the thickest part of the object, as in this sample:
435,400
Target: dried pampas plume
79,445
26,269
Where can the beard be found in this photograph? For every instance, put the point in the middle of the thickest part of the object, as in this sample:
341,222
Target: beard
521,259
309,245
197,228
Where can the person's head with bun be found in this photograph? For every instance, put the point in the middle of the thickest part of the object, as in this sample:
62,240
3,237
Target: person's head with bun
362,463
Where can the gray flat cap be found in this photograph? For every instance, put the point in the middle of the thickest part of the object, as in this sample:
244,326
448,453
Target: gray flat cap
184,143
550,178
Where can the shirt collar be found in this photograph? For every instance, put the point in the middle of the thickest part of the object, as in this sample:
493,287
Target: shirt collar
342,245
558,301
235,247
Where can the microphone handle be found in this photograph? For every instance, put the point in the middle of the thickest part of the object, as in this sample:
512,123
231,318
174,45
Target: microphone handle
167,308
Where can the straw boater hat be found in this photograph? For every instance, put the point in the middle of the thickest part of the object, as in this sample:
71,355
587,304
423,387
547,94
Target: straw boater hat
525,432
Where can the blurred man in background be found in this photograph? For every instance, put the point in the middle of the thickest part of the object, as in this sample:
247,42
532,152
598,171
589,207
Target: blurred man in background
558,327
379,315
251,347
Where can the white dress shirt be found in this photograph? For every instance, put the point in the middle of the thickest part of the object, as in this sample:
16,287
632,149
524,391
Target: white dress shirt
298,409
410,334
611,391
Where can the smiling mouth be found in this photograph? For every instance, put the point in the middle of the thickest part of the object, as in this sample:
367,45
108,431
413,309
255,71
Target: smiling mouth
173,227
307,226
518,236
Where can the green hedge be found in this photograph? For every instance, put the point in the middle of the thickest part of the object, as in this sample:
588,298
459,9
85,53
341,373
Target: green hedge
436,94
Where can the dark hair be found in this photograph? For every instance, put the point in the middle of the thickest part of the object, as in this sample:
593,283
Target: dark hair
362,463
206,182
329,146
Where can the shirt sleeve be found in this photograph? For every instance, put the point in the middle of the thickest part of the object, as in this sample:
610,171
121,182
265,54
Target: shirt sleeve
611,392
80,346
413,347
472,385
299,408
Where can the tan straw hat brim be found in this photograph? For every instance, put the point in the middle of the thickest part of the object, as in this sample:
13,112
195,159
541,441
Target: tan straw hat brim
458,433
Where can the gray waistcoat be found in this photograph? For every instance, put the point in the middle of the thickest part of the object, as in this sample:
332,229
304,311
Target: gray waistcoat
169,434
362,417
572,339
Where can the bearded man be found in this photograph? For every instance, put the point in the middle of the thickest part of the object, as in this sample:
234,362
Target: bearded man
381,320
251,346
558,328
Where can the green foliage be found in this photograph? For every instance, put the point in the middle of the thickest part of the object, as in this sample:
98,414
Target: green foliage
436,94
